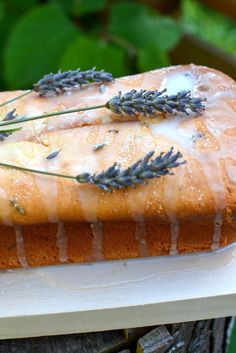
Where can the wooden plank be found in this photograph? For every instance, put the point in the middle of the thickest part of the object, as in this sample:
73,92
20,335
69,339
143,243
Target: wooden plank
218,332
100,342
133,334
158,340
182,333
200,341
204,338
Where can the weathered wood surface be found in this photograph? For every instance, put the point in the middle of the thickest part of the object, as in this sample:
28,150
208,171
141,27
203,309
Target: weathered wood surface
97,342
208,336
156,341
133,334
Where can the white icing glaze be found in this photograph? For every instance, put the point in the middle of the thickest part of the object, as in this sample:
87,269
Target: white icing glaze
97,251
210,164
103,88
20,247
174,231
141,238
231,171
5,209
48,194
32,110
217,231
62,242
172,130
90,213
216,184
89,197
139,195
10,153
179,82
48,189
171,196
210,160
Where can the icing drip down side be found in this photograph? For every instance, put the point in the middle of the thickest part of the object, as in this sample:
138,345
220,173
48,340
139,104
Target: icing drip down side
97,249
20,247
62,242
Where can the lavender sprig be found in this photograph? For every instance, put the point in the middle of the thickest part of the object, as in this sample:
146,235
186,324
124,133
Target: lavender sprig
55,84
59,83
151,102
138,173
136,102
117,178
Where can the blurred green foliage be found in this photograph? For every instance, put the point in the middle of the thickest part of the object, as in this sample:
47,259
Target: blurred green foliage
209,25
39,37
121,36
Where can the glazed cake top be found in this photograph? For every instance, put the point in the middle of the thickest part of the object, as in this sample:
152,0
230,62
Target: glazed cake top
205,187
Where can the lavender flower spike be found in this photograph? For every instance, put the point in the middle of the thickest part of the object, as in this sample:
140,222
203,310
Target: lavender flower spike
152,102
138,173
59,83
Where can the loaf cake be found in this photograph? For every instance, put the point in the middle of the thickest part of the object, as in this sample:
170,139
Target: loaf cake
47,220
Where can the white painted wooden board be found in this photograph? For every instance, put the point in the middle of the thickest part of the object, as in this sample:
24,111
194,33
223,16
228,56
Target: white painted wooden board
118,294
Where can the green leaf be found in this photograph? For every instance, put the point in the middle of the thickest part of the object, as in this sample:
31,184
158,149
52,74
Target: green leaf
2,11
19,5
143,28
64,4
36,44
5,27
82,7
87,52
16,7
152,58
10,12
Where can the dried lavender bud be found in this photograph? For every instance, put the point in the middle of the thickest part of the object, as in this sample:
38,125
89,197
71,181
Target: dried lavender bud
115,131
19,209
61,82
151,102
197,136
98,146
138,173
5,133
10,115
53,154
